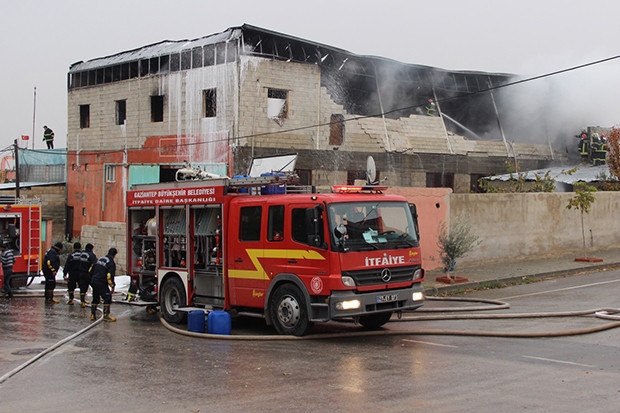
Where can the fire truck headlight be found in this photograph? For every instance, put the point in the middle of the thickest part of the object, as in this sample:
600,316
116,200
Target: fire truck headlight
348,281
417,296
417,274
348,305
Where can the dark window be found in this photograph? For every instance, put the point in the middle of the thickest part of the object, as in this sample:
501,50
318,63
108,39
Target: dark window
249,223
336,130
210,103
197,57
220,53
157,108
303,226
186,59
439,180
154,66
275,224
175,62
209,55
121,112
305,176
354,175
144,67
84,116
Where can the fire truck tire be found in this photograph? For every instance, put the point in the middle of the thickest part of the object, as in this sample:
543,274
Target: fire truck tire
289,311
172,296
374,321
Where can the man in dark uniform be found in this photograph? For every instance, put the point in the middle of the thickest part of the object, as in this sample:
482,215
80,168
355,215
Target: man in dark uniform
72,270
103,284
87,260
51,263
8,259
48,137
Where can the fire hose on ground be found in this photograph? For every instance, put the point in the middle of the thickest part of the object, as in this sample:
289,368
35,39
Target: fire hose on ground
611,314
602,313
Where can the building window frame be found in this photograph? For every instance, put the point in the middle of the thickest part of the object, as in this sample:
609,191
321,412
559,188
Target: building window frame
120,112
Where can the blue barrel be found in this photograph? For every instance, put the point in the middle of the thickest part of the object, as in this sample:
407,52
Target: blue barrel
273,189
196,321
218,322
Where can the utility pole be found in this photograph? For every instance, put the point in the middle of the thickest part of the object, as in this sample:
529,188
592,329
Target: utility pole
16,170
34,116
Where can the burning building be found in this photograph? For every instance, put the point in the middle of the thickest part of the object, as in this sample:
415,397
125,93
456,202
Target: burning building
222,100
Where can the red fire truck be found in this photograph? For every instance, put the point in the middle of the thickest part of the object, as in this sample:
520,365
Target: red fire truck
251,247
20,230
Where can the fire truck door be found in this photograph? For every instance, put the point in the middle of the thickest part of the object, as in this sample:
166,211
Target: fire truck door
247,279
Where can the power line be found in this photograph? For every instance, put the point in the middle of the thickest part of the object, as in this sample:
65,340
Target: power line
406,108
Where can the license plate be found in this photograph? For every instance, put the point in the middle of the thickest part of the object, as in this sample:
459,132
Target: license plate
387,298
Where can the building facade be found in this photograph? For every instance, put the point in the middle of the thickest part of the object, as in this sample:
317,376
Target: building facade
222,100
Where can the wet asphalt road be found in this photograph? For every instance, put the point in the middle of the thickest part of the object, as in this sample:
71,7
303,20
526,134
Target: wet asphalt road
137,365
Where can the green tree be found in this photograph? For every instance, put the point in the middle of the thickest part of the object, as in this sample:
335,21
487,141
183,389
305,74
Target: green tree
455,242
582,201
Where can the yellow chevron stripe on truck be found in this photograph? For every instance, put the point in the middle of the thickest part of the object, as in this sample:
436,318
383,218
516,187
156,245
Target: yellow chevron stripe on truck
259,272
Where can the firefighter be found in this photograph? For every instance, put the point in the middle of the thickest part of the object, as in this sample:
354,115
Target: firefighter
7,259
87,260
102,281
51,263
72,269
48,137
431,108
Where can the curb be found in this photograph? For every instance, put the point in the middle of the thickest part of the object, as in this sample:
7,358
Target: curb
434,290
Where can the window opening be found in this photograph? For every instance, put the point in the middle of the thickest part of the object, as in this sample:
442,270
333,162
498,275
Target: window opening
249,223
121,112
336,130
275,225
209,98
277,107
110,173
84,116
157,108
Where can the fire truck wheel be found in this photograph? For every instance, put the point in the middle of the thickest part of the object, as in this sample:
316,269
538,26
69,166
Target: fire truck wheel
289,312
172,296
374,321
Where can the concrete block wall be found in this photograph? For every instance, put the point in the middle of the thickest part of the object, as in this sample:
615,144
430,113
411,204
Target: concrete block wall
104,236
183,108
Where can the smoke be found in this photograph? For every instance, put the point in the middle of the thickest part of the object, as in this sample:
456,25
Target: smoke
554,109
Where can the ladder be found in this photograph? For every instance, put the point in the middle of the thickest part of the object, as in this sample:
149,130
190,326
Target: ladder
33,241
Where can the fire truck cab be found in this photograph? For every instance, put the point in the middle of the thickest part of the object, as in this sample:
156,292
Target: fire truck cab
250,247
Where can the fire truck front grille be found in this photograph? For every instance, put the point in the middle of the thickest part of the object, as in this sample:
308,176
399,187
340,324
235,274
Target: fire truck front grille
377,275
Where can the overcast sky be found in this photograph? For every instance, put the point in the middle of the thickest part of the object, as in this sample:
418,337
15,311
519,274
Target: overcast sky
41,39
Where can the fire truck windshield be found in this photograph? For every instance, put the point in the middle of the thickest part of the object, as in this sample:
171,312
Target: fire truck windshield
359,226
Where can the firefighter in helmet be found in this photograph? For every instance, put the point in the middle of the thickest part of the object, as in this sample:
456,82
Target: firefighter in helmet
103,284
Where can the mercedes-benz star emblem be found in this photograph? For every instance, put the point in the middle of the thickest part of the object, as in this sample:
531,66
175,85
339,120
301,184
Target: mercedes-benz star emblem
386,275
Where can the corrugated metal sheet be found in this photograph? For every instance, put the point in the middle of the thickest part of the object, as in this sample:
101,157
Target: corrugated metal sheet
157,49
584,173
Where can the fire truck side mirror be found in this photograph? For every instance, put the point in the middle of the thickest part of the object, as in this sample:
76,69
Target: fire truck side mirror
340,231
414,214
314,223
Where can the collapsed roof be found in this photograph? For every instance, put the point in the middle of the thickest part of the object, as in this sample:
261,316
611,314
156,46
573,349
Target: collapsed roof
363,85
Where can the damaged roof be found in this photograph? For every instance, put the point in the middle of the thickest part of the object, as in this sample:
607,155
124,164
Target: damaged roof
584,173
